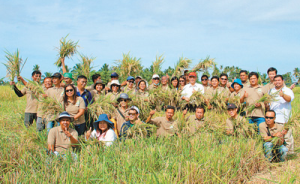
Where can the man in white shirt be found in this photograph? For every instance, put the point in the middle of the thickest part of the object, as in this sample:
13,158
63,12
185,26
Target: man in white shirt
282,106
190,88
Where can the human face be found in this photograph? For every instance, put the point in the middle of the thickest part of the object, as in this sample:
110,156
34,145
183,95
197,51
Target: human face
243,77
36,77
103,126
164,80
133,115
223,80
67,80
142,86
115,88
169,114
181,82
81,83
175,83
99,78
48,83
199,113
204,81
64,123
278,82
56,81
253,80
155,80
70,91
236,87
192,79
232,112
99,87
123,102
271,75
130,83
215,83
269,120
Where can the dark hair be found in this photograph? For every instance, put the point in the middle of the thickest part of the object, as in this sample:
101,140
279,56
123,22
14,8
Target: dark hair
253,73
170,107
214,77
95,77
200,107
133,109
271,111
244,71
278,76
81,77
186,71
272,69
47,78
96,126
74,95
36,72
204,76
183,77
224,74
175,78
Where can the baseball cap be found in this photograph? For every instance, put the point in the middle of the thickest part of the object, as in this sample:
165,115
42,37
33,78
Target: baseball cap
193,74
57,75
155,76
114,74
231,106
135,108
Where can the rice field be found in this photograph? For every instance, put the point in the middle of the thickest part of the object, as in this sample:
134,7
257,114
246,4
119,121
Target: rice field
205,157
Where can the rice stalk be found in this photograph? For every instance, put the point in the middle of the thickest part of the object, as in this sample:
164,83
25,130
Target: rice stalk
128,66
67,49
196,99
144,106
203,65
157,64
86,67
51,108
35,87
14,64
181,65
102,105
141,131
267,98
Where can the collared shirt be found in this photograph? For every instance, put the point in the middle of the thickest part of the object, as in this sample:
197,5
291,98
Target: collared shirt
55,93
246,84
58,138
119,118
237,126
282,108
189,88
268,87
127,125
153,86
266,131
210,92
86,95
40,104
254,94
73,109
194,124
32,102
165,127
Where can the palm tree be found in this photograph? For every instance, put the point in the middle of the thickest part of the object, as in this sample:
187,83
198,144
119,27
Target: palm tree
46,74
297,73
36,68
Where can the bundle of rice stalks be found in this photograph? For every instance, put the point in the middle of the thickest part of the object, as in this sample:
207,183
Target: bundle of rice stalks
181,65
14,64
244,129
292,122
128,66
159,97
157,64
35,87
51,108
102,105
196,99
144,106
219,101
86,67
267,98
67,49
141,131
204,65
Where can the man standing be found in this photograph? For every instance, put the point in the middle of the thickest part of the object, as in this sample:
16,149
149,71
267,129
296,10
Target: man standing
121,113
192,87
82,92
133,117
204,81
272,72
61,138
96,77
244,78
166,125
165,83
32,102
196,121
130,88
155,82
224,81
269,130
282,106
113,76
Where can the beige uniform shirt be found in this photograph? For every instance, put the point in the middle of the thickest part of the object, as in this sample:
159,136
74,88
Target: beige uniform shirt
90,88
268,87
152,86
118,117
236,96
231,123
210,92
58,138
194,124
246,84
39,111
73,109
144,94
32,102
254,94
263,129
165,127
165,87
55,93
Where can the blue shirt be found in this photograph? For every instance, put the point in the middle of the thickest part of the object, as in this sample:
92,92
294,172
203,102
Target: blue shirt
86,95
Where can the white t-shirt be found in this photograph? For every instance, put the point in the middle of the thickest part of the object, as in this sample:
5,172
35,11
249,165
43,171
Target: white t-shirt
282,108
188,89
108,139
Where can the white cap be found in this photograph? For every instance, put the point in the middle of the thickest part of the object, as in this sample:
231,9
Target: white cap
115,82
155,76
135,108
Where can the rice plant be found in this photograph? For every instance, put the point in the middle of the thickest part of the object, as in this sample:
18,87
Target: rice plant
14,64
204,65
67,49
128,66
181,65
157,64
86,67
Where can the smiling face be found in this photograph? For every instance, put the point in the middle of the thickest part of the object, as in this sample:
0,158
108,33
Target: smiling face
99,87
271,75
181,81
48,83
115,88
236,87
36,77
124,102
199,113
81,83
130,83
215,83
133,115
232,112
69,91
164,80
56,81
155,80
64,123
142,85
278,82
103,126
192,79
253,80
223,80
68,80
243,77
204,81
270,118
169,114
174,83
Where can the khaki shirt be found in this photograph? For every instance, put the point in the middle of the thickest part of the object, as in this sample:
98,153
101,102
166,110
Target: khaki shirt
194,124
210,92
73,109
263,129
143,94
118,117
58,138
113,96
55,93
129,91
205,88
254,94
91,87
152,86
268,87
39,111
230,122
32,102
236,96
165,127
246,84
165,87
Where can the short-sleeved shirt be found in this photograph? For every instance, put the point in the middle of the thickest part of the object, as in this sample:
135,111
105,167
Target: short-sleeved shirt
32,102
113,96
194,124
91,87
205,88
231,122
263,129
166,87
86,95
153,86
268,87
55,93
58,138
246,84
210,92
254,94
39,109
127,90
189,88
119,117
143,94
282,108
165,127
236,96
73,109
237,126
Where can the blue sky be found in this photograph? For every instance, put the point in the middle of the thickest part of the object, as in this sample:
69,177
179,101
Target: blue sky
253,35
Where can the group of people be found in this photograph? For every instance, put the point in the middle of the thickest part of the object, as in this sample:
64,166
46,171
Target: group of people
269,118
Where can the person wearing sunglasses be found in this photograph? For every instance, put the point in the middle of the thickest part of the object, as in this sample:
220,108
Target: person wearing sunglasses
133,119
182,82
130,87
215,89
204,82
270,130
155,82
75,106
120,115
224,81
113,76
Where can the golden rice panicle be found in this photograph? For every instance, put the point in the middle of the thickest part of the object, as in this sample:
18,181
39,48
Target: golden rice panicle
14,64
86,63
102,105
204,65
67,49
35,87
141,131
157,64
181,65
128,66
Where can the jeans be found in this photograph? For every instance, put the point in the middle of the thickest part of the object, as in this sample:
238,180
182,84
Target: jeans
257,120
280,151
29,117
80,129
40,124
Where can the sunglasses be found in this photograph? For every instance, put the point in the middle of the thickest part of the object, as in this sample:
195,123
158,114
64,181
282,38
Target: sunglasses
156,78
132,114
123,100
114,85
69,90
267,117
204,79
131,81
224,79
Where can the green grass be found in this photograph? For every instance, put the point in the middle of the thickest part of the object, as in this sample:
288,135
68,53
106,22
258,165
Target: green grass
202,158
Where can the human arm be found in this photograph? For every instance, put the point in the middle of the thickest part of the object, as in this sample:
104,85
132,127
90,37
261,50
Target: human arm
152,112
286,97
22,80
17,91
73,139
63,65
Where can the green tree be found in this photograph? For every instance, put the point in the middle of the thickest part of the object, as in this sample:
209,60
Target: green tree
287,78
105,73
296,73
169,71
36,68
216,71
